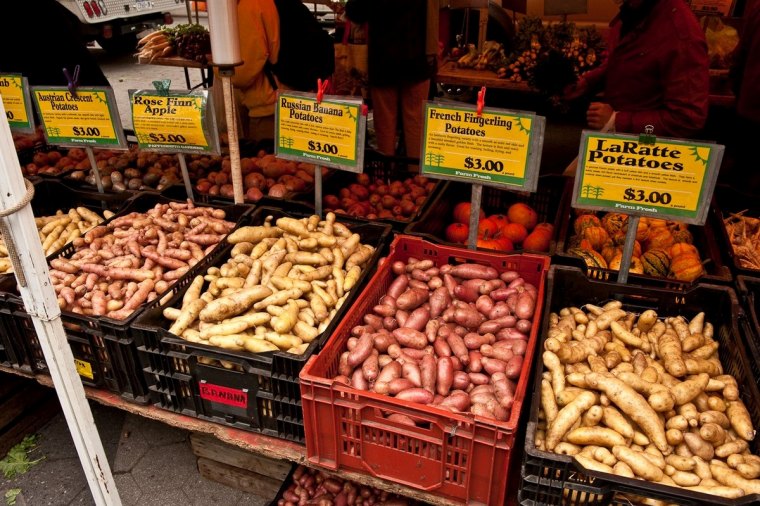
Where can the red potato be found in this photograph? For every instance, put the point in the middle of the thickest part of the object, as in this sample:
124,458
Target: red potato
509,276
401,316
458,400
418,319
399,385
445,376
524,326
373,321
358,381
384,310
472,271
473,340
456,343
510,333
449,282
413,283
390,323
502,354
351,343
461,380
411,371
420,275
398,286
517,282
398,268
525,306
467,293
442,348
456,363
428,373
371,367
412,299
410,338
500,310
383,341
484,304
493,365
476,361
439,300
389,373
362,350
514,367
431,329
415,354
468,317
402,419
502,293
418,395
478,378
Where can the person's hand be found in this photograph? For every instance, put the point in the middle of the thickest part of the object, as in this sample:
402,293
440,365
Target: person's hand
598,115
575,90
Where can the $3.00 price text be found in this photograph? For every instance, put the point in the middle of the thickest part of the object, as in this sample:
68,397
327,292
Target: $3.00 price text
653,197
480,164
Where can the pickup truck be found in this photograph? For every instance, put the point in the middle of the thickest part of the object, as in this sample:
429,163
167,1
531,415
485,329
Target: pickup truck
115,24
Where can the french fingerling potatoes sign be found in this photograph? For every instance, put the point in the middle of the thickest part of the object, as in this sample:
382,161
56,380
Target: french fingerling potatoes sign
669,179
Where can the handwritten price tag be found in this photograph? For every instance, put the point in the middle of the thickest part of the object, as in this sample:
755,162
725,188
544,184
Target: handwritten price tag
88,119
329,133
712,7
179,121
498,148
18,107
671,179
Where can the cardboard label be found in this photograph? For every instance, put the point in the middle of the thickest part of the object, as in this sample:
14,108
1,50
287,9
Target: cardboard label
175,121
671,179
84,369
224,395
712,7
498,148
18,107
329,133
88,119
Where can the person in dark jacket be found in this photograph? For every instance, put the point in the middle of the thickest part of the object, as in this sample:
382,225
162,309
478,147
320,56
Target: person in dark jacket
743,172
656,72
401,59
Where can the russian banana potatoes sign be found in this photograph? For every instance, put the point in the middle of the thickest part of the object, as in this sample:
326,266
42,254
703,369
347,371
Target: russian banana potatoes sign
497,147
14,90
667,179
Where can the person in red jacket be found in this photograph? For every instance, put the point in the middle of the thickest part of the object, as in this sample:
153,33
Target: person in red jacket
656,71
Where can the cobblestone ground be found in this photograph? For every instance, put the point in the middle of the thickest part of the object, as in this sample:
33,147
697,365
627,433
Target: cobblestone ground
152,464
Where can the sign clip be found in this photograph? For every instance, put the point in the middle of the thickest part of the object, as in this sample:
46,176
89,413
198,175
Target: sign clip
162,86
481,100
648,136
73,80
321,89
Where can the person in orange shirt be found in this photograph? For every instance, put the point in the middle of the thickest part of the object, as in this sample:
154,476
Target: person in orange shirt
259,27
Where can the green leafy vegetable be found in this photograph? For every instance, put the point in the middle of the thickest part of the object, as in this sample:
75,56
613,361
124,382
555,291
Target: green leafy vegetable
11,495
17,462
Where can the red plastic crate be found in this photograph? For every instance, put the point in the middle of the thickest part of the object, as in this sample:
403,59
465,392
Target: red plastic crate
460,457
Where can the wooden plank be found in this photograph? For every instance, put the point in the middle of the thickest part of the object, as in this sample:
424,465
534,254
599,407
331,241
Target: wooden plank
205,446
29,424
239,479
449,73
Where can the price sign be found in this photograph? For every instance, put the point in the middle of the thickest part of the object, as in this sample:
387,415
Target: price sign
497,148
712,7
18,107
178,121
328,133
87,118
670,179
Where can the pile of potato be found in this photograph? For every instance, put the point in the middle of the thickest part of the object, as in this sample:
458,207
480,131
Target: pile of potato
280,288
645,397
311,487
136,257
452,337
58,230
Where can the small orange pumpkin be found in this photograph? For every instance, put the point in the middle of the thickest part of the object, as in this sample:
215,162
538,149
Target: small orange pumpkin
597,236
660,238
681,248
686,267
586,220
636,266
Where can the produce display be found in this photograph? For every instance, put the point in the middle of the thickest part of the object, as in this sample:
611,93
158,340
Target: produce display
490,57
452,337
517,229
58,230
314,487
191,41
28,141
134,258
662,248
264,174
644,396
280,288
744,236
396,200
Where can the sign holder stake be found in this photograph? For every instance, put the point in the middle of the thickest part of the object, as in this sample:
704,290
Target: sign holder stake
321,89
475,203
630,239
185,176
95,169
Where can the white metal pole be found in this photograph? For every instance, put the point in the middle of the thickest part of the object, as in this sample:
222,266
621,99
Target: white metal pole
42,304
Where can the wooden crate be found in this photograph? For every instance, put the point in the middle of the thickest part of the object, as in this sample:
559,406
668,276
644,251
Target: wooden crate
237,468
25,406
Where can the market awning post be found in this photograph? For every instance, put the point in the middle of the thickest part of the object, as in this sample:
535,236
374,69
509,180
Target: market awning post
225,49
31,270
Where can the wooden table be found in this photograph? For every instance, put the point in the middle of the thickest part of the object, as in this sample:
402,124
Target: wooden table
449,73
250,441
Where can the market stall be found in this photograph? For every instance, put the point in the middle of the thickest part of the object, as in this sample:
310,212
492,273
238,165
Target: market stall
474,332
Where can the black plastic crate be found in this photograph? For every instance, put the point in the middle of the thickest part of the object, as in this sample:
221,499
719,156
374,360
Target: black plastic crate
104,347
727,201
716,272
261,392
548,478
549,201
14,350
